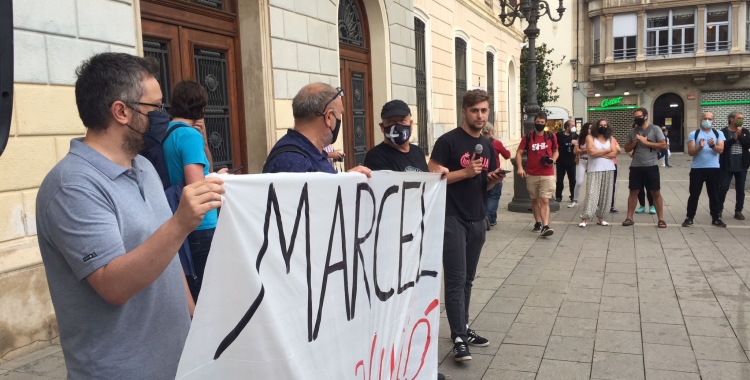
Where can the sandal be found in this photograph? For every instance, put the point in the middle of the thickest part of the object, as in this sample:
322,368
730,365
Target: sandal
628,222
662,224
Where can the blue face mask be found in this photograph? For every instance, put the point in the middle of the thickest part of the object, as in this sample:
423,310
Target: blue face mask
706,124
158,123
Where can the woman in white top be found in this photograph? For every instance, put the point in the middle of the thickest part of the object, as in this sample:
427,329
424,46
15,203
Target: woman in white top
601,172
579,148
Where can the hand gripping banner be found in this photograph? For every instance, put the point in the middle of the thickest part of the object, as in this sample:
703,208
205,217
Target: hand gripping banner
320,276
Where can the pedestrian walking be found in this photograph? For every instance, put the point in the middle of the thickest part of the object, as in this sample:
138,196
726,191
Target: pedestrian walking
566,163
107,235
705,145
542,153
735,160
602,149
644,140
493,195
471,160
582,165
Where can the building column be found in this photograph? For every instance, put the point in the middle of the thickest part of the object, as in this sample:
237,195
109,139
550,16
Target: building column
734,24
609,41
641,37
741,27
700,50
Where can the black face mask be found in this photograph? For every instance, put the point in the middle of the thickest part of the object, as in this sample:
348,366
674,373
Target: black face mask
335,130
158,123
398,134
639,121
539,127
602,131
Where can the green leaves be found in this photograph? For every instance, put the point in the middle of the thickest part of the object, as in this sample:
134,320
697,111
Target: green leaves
546,90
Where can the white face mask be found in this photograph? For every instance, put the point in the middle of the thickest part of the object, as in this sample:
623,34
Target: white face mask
573,130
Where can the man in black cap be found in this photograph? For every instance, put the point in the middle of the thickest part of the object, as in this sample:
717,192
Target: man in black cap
395,152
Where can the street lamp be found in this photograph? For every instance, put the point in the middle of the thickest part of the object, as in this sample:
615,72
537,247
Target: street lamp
531,10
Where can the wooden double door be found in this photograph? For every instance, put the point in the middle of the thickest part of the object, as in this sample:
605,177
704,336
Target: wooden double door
208,57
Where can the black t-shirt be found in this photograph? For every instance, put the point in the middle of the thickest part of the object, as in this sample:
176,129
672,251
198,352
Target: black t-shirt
386,157
466,199
565,146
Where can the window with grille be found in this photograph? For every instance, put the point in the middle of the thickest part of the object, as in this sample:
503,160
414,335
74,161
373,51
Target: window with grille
597,36
460,77
491,86
717,28
670,32
216,4
421,71
624,31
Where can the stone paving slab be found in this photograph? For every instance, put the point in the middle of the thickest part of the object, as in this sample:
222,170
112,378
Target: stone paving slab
592,303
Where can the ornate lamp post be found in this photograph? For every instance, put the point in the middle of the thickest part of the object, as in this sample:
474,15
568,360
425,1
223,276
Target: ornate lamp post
531,10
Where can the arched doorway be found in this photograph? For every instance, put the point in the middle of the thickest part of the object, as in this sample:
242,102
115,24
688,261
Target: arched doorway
669,111
356,80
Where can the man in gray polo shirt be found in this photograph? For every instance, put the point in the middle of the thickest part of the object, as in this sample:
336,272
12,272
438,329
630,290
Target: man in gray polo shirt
107,236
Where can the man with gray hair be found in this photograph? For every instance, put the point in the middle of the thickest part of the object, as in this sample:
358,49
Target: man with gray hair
107,236
317,110
734,162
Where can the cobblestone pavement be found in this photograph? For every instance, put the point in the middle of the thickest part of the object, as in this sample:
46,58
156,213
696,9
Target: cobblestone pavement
596,303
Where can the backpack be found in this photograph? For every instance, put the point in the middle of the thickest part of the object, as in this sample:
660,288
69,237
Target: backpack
283,149
716,133
547,136
155,151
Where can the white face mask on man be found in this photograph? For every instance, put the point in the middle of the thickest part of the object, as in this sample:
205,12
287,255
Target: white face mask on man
573,130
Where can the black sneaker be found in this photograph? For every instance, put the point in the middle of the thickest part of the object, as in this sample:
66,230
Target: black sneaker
441,376
537,227
461,350
476,340
546,231
738,215
558,199
718,223
613,211
493,224
687,223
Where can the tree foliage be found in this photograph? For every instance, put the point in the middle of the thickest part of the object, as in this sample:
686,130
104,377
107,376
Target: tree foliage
546,90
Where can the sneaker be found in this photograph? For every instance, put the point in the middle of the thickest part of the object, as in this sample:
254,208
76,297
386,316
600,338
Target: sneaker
440,376
558,199
537,227
461,351
640,210
546,231
687,223
573,204
476,340
613,211
738,215
652,210
718,223
493,224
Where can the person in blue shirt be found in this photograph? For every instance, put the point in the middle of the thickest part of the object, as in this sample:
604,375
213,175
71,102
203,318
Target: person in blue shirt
705,146
318,110
188,159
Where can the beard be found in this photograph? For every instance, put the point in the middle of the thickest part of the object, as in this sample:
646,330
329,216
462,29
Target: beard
473,125
133,141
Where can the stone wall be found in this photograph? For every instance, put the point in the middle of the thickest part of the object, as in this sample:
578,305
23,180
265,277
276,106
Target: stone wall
50,42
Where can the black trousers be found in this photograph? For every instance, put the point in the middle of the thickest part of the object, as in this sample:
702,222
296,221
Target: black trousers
563,169
200,244
711,178
462,245
642,194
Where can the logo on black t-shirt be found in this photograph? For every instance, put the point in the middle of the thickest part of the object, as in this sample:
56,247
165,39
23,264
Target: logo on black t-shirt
466,158
412,169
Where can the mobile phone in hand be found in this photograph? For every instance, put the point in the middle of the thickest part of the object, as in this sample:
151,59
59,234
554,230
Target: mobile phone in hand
235,170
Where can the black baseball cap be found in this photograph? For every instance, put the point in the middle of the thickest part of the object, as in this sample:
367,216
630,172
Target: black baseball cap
395,108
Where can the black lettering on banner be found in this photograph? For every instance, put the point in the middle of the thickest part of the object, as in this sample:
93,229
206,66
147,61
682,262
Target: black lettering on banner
331,268
273,202
428,273
383,296
358,255
404,238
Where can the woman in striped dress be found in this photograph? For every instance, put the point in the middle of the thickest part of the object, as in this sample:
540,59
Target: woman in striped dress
602,151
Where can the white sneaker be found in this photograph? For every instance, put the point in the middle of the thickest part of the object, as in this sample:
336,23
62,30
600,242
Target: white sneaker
582,225
574,204
603,223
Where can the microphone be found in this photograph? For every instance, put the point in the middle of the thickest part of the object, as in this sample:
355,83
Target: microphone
478,149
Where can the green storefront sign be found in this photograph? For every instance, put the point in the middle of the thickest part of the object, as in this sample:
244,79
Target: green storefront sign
611,102
612,105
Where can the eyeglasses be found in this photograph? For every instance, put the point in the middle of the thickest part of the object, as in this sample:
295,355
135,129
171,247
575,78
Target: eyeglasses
339,92
159,107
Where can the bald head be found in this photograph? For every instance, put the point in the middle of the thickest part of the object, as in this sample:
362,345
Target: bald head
310,102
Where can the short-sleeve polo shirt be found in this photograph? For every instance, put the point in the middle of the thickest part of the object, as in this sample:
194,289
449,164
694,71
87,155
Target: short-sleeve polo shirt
89,211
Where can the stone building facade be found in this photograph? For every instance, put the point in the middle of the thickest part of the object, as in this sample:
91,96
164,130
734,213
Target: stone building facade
252,56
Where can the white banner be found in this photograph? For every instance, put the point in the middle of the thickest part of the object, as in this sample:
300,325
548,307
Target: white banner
320,276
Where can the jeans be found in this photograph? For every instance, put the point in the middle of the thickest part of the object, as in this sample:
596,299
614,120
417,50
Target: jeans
697,178
200,244
663,153
739,187
570,170
462,245
493,200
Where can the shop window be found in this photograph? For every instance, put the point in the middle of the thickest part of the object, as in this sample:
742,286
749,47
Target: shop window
597,39
717,28
625,30
670,32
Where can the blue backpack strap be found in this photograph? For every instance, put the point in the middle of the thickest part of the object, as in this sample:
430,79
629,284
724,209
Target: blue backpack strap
283,149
